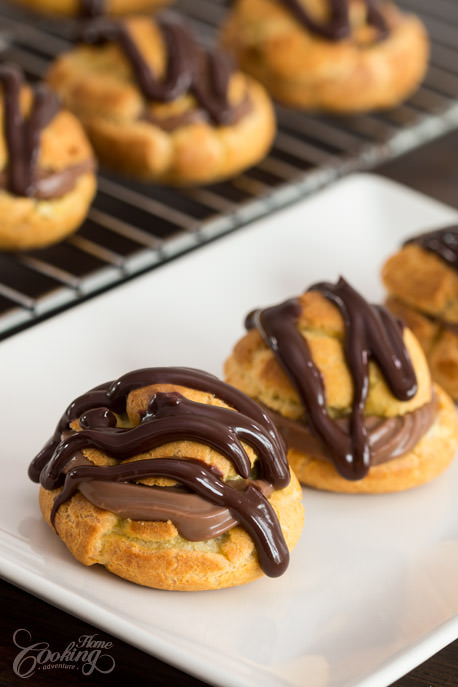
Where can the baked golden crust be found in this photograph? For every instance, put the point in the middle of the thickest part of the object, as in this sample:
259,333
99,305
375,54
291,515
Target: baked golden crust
253,369
98,85
27,223
423,291
303,70
154,554
73,7
422,280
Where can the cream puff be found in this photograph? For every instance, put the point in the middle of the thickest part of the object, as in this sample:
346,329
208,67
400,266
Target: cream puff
344,56
158,106
349,388
171,479
422,284
47,167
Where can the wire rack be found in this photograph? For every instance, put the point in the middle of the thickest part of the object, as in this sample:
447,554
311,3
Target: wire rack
133,227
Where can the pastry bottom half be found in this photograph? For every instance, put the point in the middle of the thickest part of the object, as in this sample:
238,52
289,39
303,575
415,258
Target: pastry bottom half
433,453
153,554
28,223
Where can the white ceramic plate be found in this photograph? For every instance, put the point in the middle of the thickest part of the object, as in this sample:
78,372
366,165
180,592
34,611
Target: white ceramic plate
371,589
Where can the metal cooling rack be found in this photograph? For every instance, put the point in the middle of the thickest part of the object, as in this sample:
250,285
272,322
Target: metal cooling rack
133,227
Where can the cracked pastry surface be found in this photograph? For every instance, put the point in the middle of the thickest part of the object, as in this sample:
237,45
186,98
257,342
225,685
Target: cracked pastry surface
92,7
343,56
191,463
316,396
423,290
47,167
158,107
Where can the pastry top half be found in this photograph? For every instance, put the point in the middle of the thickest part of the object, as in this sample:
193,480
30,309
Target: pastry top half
347,373
342,55
47,166
158,104
180,472
92,8
424,273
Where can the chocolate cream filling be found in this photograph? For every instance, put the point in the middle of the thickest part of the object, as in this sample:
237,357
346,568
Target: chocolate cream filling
89,9
195,518
388,437
172,122
53,184
451,326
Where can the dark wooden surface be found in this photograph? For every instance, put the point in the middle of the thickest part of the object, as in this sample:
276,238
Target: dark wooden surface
433,170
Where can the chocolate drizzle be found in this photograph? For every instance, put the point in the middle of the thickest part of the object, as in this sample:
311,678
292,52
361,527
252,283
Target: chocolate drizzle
442,242
170,417
189,68
371,332
338,25
23,135
51,184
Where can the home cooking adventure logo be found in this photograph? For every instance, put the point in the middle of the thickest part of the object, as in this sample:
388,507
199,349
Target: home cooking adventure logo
87,654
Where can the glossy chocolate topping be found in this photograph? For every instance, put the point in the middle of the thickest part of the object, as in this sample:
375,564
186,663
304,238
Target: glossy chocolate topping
371,332
442,242
50,185
338,25
170,417
189,69
23,134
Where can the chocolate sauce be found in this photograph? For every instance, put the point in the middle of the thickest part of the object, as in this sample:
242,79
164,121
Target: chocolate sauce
371,332
442,242
170,417
23,135
189,68
338,25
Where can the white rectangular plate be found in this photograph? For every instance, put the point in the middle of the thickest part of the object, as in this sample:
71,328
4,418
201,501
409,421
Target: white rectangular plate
371,589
